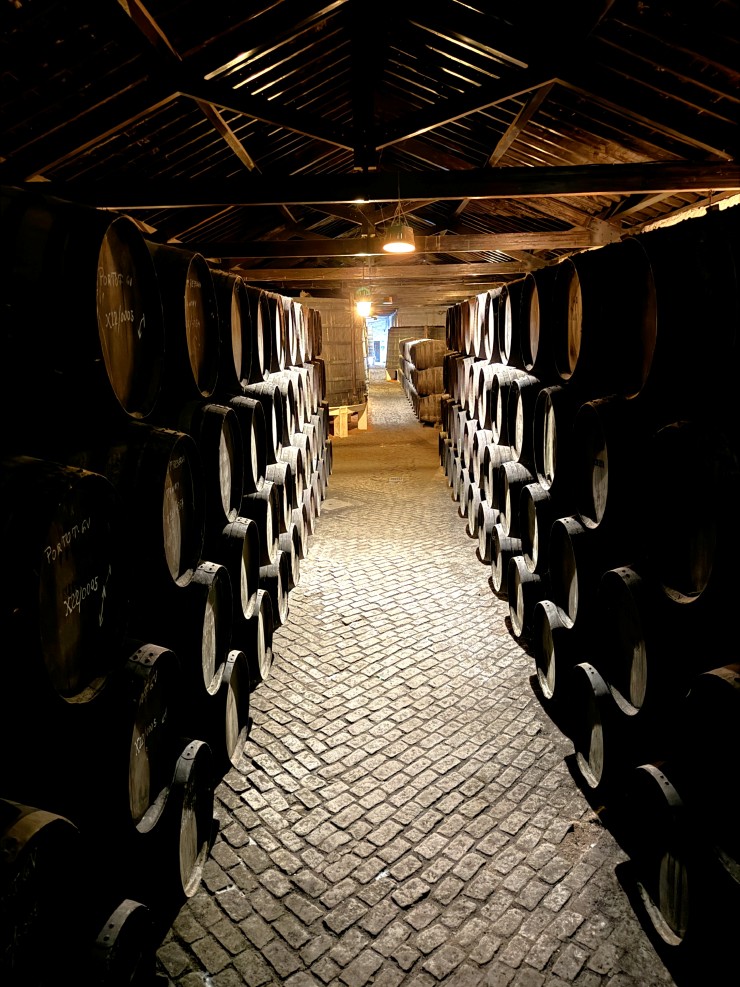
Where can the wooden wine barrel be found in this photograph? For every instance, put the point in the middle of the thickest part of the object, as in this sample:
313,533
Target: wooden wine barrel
554,412
273,323
158,474
601,733
666,856
520,417
537,511
644,647
696,561
290,543
170,861
576,565
65,591
473,503
272,407
124,949
294,457
708,248
275,579
489,326
541,314
557,648
62,260
235,359
298,519
253,430
511,327
708,735
192,347
284,486
225,721
452,327
610,298
237,548
523,590
503,549
262,508
501,385
609,449
494,456
217,434
197,624
258,645
481,438
40,856
292,490
311,512
286,388
290,332
253,334
488,517
511,478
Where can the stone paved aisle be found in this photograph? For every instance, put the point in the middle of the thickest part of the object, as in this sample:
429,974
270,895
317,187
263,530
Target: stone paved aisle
404,813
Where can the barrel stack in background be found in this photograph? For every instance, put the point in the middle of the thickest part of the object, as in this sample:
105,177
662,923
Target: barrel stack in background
584,410
421,363
158,493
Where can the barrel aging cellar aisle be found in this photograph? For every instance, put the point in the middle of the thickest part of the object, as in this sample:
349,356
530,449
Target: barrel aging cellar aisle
405,811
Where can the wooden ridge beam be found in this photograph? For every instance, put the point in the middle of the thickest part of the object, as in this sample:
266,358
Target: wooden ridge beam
438,244
512,183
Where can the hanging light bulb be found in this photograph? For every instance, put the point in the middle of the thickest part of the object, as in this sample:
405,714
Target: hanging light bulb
399,237
363,304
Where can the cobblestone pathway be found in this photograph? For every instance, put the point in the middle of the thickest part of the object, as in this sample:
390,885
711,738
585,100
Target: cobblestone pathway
404,813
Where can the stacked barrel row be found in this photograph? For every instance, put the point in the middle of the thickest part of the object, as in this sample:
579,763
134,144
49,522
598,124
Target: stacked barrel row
164,460
591,444
421,364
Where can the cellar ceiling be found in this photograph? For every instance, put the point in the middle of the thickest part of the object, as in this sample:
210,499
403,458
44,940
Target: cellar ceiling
279,138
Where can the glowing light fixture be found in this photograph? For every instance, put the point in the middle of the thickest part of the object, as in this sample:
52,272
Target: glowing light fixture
399,237
363,303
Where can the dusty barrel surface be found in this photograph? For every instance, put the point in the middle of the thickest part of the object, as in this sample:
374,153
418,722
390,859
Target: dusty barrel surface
66,595
192,339
73,263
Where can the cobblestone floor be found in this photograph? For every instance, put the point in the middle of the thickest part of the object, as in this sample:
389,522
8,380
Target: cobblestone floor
404,813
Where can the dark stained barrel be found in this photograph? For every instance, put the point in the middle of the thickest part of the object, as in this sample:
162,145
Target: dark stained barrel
253,334
237,547
192,347
554,411
235,358
67,264
270,397
65,590
273,328
258,641
609,299
158,474
253,430
40,856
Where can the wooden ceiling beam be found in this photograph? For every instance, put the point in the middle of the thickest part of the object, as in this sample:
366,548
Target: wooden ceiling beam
372,246
510,183
457,273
